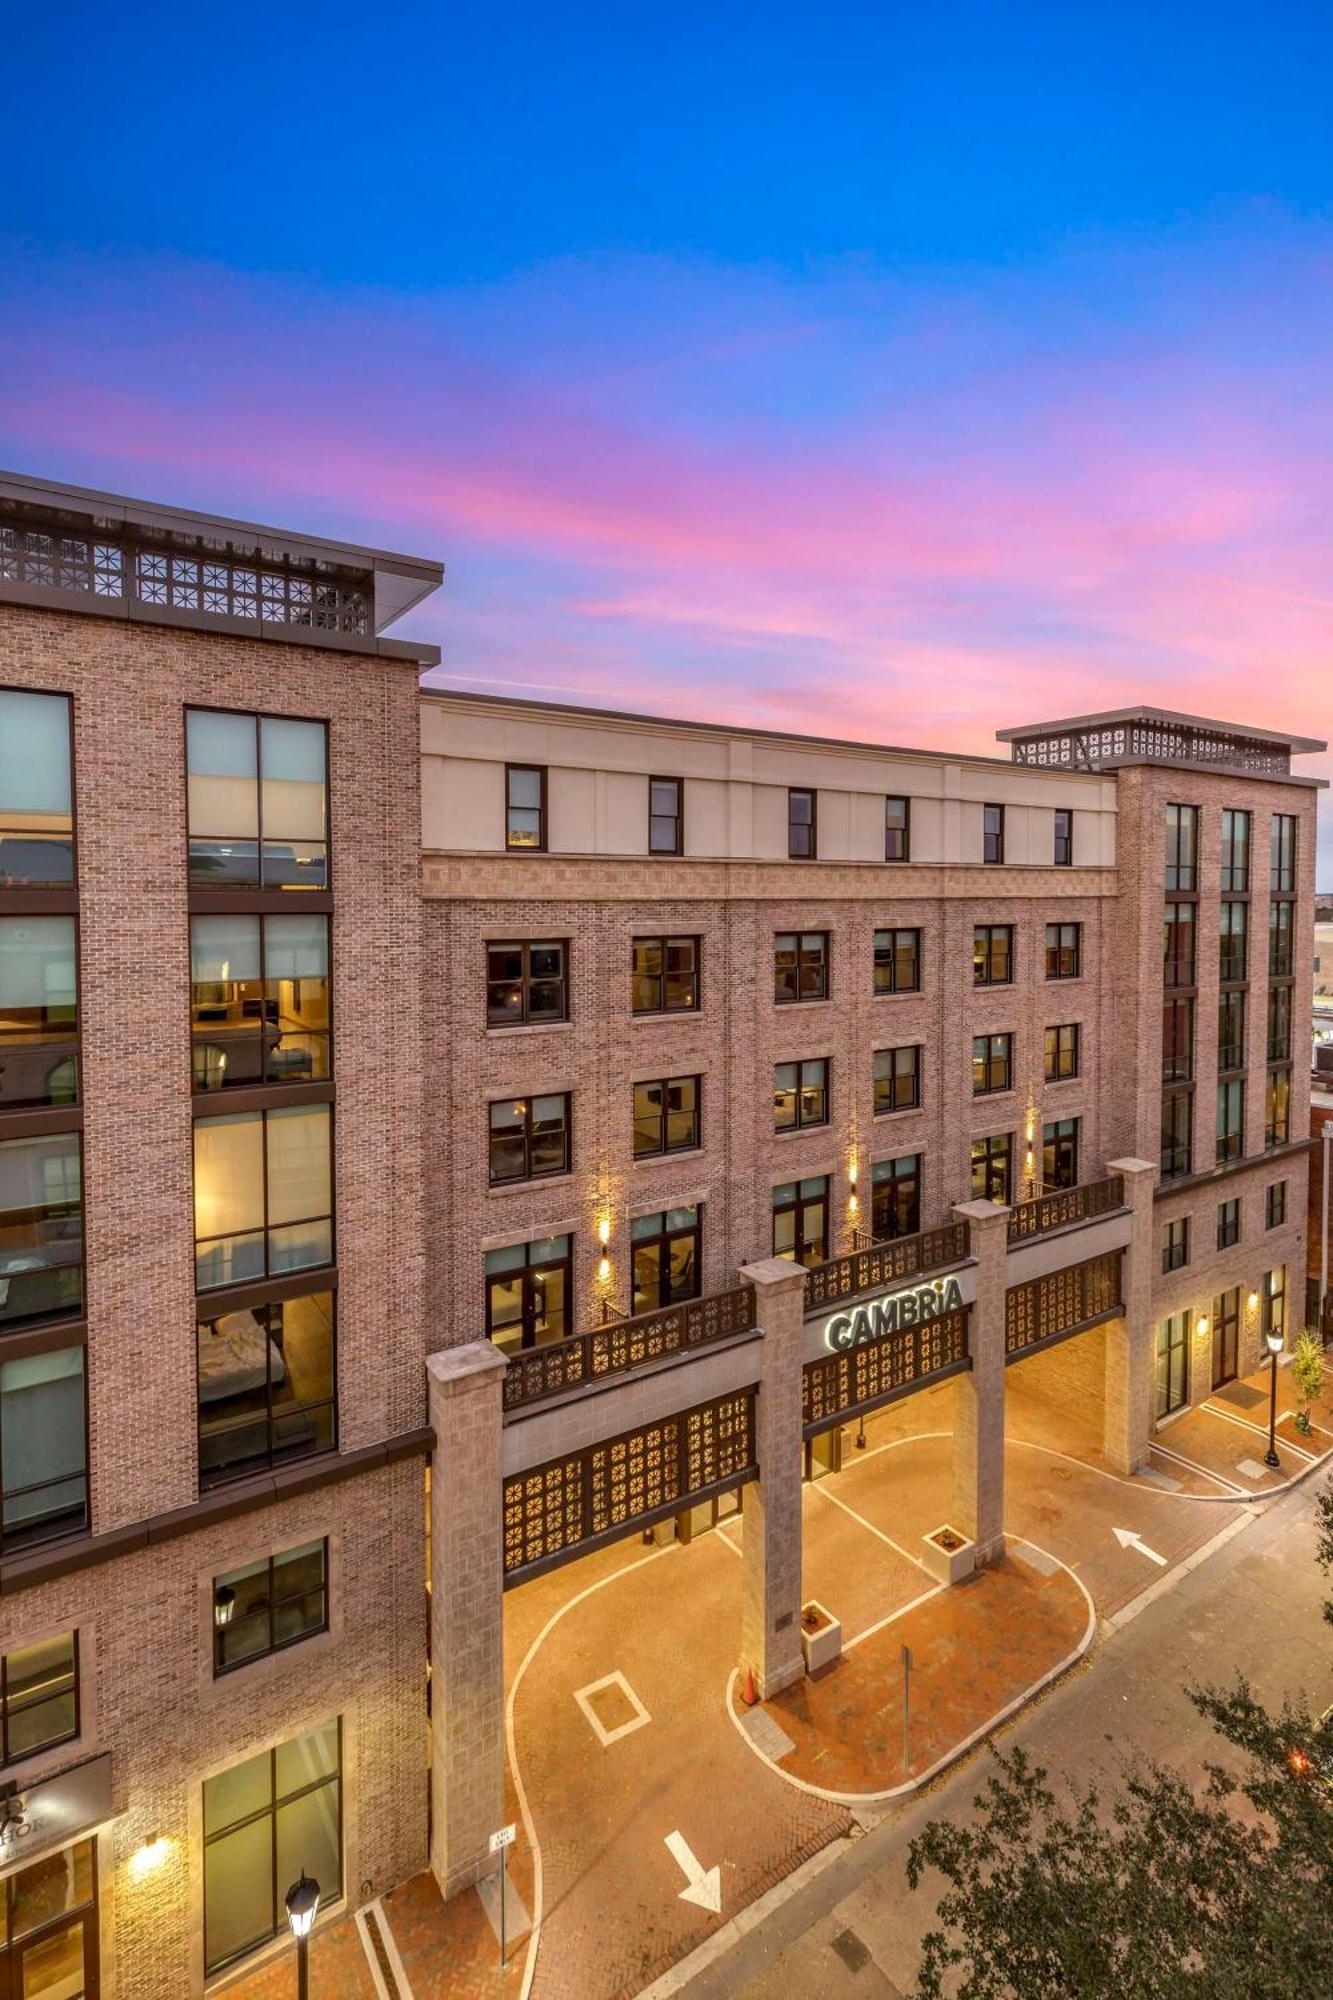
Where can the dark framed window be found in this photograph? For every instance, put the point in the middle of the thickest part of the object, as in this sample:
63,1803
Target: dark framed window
1064,951
1175,1244
1273,1294
895,1198
992,1167
43,1447
897,829
257,794
39,1013
897,1080
268,1385
800,966
992,954
1277,1108
525,807
1275,1205
992,1064
1182,848
800,1220
265,1822
1172,1364
1228,1224
667,1113
266,1606
39,1696
1233,938
668,1257
800,1094
527,982
1230,1121
1177,1041
992,834
529,1138
263,1194
1064,837
1177,1132
665,974
1063,1052
1226,1336
1282,854
36,790
1178,944
1279,939
666,815
898,961
1231,1031
259,1000
802,825
530,1293
1235,852
41,1229
1059,1154
1279,1024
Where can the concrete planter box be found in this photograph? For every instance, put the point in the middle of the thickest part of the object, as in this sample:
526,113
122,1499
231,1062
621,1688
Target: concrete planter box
948,1555
821,1636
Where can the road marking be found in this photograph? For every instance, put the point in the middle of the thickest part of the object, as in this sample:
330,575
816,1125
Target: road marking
387,1972
1260,1430
702,1885
583,1696
1192,1465
818,1486
1128,1538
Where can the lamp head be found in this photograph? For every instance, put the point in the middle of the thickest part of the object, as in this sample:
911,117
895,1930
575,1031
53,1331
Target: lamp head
302,1903
224,1604
1274,1340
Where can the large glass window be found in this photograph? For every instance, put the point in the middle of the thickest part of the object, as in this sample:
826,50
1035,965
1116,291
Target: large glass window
666,815
800,1220
527,982
1232,942
39,1696
39,1020
1279,939
1182,847
1279,1024
1275,1205
992,1064
43,1447
895,1197
802,838
267,1385
897,1080
265,1822
1282,854
263,1194
41,1229
1273,1318
800,966
1235,852
525,806
1177,1041
667,1115
36,802
48,1926
1175,1244
266,1606
897,961
992,1167
259,1000
667,1257
529,1138
1172,1368
1230,1121
1059,1154
529,1292
258,801
1064,837
992,954
665,975
897,829
1178,945
1177,1132
1062,1052
992,834
1064,951
1228,1224
1277,1108
1231,1031
800,1094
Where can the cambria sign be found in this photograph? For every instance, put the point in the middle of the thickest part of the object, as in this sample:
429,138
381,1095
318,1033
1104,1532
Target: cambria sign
875,1319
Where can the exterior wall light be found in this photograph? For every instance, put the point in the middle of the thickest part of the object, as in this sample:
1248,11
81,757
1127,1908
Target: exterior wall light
1201,1325
302,1903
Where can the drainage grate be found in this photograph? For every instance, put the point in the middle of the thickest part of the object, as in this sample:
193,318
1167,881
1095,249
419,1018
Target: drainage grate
854,1955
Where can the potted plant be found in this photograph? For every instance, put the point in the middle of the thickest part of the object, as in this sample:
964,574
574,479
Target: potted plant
821,1636
1307,1372
949,1554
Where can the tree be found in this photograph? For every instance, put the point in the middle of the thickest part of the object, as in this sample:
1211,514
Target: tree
1307,1368
1166,1892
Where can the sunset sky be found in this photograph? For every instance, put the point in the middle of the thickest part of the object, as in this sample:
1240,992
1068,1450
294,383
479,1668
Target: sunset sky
890,371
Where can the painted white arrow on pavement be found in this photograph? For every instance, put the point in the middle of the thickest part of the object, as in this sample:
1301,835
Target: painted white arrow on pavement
1129,1540
702,1885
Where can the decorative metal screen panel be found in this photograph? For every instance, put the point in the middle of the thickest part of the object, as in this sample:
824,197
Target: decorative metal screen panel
1061,1302
883,1265
626,1344
1178,743
833,1387
1056,1211
611,1488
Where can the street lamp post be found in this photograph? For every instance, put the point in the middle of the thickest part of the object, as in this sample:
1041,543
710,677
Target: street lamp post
1274,1340
302,1903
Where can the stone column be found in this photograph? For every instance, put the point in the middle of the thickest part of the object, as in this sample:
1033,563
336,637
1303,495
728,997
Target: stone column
466,1612
1127,1394
771,1614
978,1404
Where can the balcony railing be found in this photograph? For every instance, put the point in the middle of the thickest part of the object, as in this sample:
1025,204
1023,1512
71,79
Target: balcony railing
885,1264
1048,1212
626,1344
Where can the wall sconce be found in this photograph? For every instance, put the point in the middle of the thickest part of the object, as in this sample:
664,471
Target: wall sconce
1201,1325
1254,1300
147,1856
604,1238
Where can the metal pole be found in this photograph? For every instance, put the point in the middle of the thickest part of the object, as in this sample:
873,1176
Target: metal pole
1323,1241
504,1876
907,1707
1270,1456
302,1968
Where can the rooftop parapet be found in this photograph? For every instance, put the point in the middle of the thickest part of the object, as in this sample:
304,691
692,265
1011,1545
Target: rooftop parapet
1155,736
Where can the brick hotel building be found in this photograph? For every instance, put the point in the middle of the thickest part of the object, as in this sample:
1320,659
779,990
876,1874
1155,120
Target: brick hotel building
419,1105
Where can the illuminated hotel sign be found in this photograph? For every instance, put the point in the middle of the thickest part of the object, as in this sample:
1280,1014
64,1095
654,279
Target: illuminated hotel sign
52,1812
872,1319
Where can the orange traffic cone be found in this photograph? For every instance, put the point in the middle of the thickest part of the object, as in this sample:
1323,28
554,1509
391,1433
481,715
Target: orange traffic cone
749,1693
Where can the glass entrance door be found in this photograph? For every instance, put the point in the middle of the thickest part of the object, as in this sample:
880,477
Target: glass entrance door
1226,1336
48,1927
1172,1364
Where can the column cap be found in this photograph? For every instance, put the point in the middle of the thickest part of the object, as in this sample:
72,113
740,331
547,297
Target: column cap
981,1211
773,1273
453,1366
1130,1166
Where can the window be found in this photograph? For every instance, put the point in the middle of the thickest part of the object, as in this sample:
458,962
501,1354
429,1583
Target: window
1172,1371
259,1000
666,1115
665,976
992,1063
1062,1052
897,961
1235,852
801,825
1177,1132
1230,1121
1273,1293
1177,1041
897,1080
39,1017
1228,1224
1277,1108
1182,847
267,1385
39,1696
265,1822
1064,951
43,1447
267,1606
897,829
36,812
529,1138
1279,1024
992,833
1175,1244
257,793
263,1194
895,1198
992,954
1226,1336
666,815
1178,945
667,1258
529,1293
1232,942
525,806
1282,855
800,1220
527,982
41,1229
1231,1031
1059,1154
1275,1205
800,1094
800,966
991,1168
1279,940
1064,837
